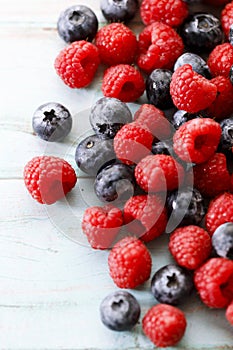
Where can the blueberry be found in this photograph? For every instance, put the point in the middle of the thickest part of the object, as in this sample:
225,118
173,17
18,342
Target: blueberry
201,32
162,147
92,153
158,88
77,22
52,121
171,284
120,311
222,240
108,115
180,117
226,141
185,207
115,182
198,64
231,34
119,10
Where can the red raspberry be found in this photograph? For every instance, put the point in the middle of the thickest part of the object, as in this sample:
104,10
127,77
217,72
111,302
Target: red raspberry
190,246
222,106
159,47
116,43
190,91
155,120
48,178
145,216
132,142
227,18
77,63
124,82
159,172
129,263
164,325
220,210
197,140
170,12
101,225
229,313
212,177
220,60
214,282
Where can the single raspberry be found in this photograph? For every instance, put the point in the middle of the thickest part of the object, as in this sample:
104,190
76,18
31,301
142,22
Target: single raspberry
227,18
159,172
129,263
190,91
116,44
190,246
164,325
212,177
222,106
124,82
48,178
197,140
77,63
145,216
214,282
101,225
159,46
229,313
220,60
155,120
132,142
219,212
170,12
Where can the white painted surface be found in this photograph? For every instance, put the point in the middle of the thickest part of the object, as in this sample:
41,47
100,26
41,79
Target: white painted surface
51,287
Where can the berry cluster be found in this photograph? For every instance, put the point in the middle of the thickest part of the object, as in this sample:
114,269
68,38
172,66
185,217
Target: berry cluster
152,176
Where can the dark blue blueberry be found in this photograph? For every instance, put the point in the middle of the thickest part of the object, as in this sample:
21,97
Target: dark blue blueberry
171,284
226,141
180,117
119,10
120,311
222,240
201,32
108,115
158,88
92,153
52,121
198,64
231,34
185,207
115,182
77,22
162,147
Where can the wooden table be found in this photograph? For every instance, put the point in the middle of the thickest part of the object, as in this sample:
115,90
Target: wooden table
51,281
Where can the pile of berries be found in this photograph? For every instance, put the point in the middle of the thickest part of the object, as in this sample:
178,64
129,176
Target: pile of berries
154,175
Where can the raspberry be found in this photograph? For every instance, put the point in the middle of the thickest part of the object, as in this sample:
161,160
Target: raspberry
154,119
220,60
214,282
159,47
197,140
123,82
116,43
190,246
229,313
77,63
132,142
159,172
220,210
222,106
227,18
164,325
170,12
101,225
145,216
212,177
129,263
48,178
191,91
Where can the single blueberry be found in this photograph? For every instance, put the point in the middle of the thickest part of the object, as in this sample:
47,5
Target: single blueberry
180,117
222,240
52,121
120,311
119,10
158,88
226,140
198,64
162,147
